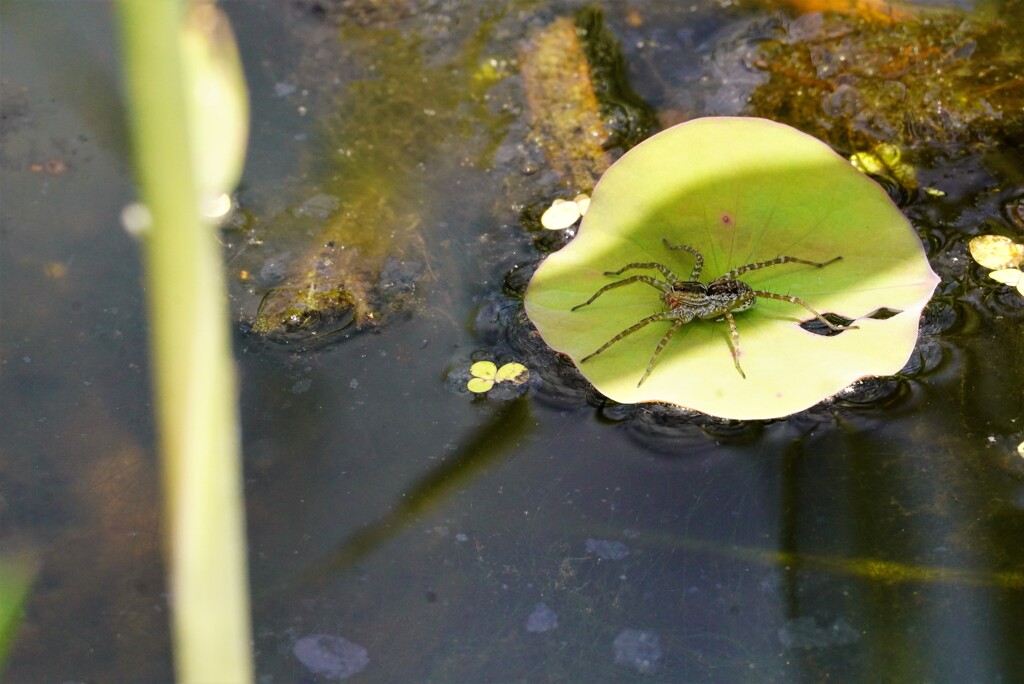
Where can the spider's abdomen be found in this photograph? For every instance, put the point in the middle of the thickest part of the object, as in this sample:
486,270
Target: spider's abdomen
730,294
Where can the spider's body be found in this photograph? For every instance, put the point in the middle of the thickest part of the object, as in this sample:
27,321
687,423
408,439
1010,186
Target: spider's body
698,300
686,300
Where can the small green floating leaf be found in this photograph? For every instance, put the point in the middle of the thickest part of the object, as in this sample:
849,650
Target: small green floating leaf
486,374
479,385
483,373
483,369
516,373
739,190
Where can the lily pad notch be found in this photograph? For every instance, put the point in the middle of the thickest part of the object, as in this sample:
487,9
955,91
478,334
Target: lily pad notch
736,191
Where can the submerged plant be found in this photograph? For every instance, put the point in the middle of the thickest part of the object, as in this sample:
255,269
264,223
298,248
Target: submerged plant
941,81
741,194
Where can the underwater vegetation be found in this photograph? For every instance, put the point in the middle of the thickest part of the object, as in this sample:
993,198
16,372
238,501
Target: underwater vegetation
581,107
353,251
940,82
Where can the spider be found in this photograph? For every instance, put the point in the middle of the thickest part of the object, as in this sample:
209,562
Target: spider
690,299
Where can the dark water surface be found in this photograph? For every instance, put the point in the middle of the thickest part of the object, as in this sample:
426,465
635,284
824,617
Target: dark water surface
403,530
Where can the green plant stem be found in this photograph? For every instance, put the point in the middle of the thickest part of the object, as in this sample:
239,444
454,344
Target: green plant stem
16,575
195,387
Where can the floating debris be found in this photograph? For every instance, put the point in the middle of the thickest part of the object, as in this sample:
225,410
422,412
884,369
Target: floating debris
1003,256
331,656
639,649
319,206
1009,276
996,251
542,619
301,386
283,89
607,550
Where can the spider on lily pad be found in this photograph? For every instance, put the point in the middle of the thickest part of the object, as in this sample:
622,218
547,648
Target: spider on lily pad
691,299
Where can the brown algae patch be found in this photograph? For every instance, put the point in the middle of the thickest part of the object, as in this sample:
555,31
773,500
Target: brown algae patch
945,80
564,110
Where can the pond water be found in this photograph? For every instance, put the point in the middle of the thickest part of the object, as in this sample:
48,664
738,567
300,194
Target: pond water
402,529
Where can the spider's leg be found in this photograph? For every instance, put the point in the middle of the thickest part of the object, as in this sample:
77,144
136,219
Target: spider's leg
661,345
660,316
775,262
698,265
735,347
646,264
797,300
650,280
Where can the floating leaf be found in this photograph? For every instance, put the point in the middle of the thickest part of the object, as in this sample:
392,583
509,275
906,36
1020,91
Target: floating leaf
483,373
560,215
564,213
1009,276
479,385
739,190
484,369
516,373
486,374
996,251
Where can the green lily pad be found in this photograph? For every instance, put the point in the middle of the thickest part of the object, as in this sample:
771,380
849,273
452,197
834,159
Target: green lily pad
740,191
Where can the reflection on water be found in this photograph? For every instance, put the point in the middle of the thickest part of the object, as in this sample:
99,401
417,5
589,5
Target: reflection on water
553,537
480,451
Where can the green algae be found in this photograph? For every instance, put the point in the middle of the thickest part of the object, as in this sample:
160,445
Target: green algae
371,159
946,81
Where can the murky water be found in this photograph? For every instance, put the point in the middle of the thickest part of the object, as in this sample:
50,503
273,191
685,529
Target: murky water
402,529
